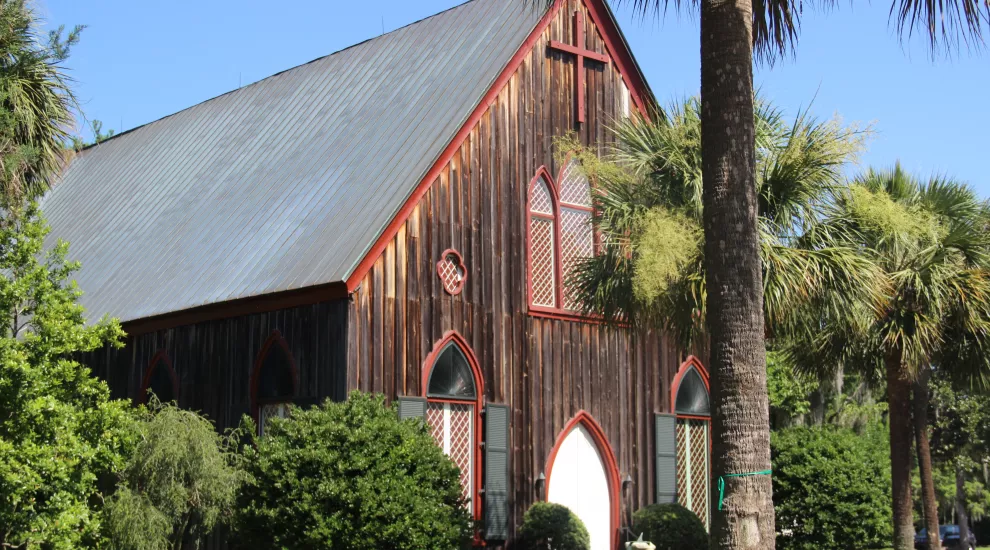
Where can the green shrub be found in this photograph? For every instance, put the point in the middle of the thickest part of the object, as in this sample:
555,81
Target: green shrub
178,485
670,527
831,488
548,526
349,475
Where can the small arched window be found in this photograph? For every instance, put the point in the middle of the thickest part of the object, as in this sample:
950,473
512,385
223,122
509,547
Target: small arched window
453,392
560,234
160,379
692,407
273,383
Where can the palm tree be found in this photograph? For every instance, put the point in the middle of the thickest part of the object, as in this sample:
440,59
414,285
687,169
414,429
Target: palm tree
651,266
730,33
35,102
930,244
651,269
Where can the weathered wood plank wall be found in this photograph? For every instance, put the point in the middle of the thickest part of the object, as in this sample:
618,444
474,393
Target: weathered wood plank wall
214,360
546,369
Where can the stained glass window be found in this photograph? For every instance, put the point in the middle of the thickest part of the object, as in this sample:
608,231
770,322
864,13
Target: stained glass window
542,236
161,384
275,383
692,395
452,418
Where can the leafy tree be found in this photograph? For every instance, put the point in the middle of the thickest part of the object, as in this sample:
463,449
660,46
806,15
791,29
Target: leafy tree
929,242
549,526
60,433
178,485
788,389
349,475
831,488
960,444
670,527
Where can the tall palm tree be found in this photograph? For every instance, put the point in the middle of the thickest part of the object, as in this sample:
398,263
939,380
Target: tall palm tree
930,244
652,265
36,102
731,31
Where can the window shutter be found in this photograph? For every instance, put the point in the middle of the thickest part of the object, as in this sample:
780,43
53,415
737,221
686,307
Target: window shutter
666,445
496,472
412,407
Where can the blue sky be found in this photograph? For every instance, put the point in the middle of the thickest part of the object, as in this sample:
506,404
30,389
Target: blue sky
140,61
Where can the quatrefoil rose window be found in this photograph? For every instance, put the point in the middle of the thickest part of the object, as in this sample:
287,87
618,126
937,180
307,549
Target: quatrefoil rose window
451,271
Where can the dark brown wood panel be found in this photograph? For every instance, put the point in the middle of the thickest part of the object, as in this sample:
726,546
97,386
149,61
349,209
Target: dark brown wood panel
214,359
546,370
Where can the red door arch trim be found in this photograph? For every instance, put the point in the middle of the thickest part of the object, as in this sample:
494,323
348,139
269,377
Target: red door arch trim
479,390
608,458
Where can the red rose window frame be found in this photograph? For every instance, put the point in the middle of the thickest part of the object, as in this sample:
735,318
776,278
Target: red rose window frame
559,234
453,388
452,272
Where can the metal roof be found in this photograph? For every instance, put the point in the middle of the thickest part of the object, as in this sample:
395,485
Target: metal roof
282,184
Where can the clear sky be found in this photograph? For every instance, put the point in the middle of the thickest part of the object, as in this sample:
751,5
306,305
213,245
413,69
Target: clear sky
141,60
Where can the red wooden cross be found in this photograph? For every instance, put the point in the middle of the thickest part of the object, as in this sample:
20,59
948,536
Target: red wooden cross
581,53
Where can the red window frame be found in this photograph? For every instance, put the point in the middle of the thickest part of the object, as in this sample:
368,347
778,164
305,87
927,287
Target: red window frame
559,311
478,403
159,359
275,338
690,363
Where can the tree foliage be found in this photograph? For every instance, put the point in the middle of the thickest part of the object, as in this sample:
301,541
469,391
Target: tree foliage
60,433
36,101
549,526
179,483
649,211
831,489
349,475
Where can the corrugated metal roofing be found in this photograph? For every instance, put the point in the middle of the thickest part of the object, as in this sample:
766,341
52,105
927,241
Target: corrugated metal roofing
284,183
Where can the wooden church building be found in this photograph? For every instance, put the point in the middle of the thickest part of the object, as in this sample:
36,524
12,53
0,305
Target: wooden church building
391,218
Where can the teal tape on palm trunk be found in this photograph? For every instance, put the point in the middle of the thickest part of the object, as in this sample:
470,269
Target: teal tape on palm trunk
721,483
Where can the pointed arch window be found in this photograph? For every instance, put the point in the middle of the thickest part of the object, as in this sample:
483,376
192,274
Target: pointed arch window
453,389
560,234
274,381
160,379
691,403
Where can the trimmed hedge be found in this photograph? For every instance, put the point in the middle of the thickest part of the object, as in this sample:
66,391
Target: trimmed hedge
670,527
548,526
349,475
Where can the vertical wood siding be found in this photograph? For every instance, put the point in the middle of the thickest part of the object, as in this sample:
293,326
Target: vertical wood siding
545,369
214,360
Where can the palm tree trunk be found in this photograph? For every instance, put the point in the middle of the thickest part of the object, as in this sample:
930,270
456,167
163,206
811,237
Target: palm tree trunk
962,516
741,415
929,503
899,405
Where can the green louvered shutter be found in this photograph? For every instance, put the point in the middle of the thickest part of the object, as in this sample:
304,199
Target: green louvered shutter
666,459
496,472
412,407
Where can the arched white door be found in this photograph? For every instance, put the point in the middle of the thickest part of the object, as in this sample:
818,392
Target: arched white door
578,480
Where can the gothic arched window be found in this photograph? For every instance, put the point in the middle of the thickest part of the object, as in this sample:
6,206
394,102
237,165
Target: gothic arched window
452,383
691,405
559,233
273,383
160,379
